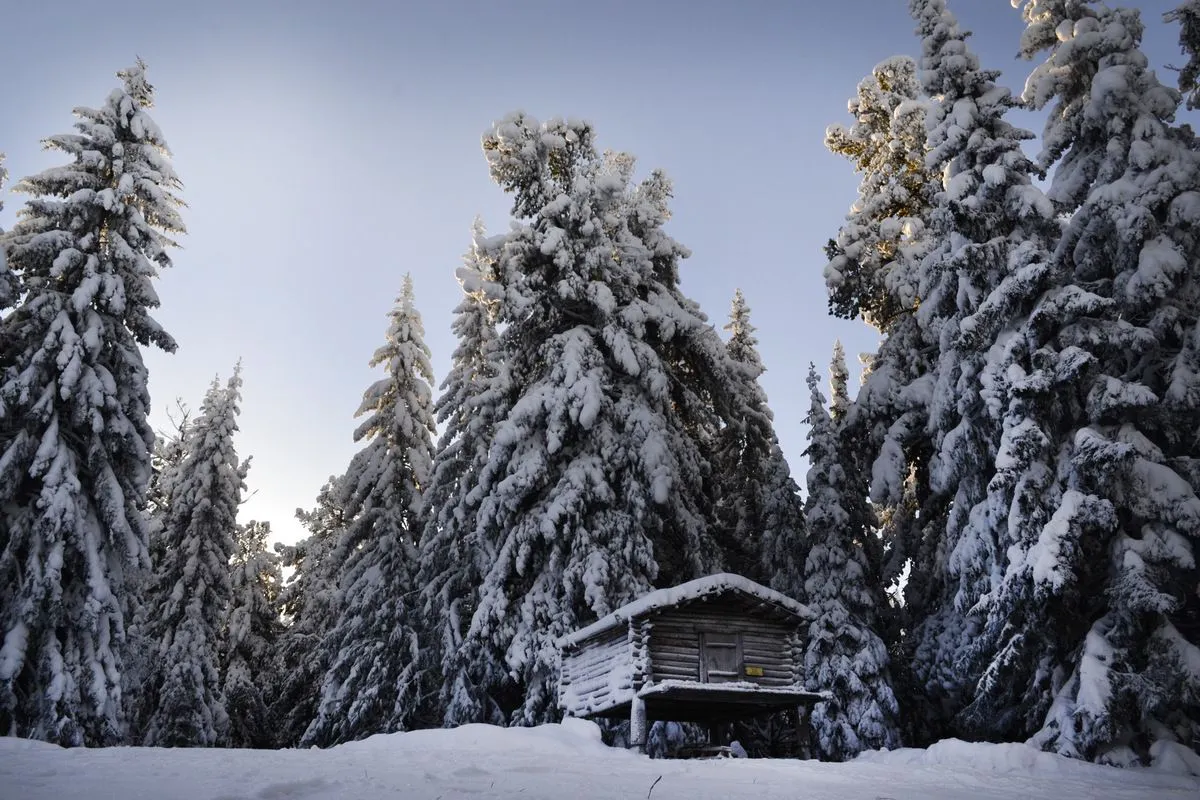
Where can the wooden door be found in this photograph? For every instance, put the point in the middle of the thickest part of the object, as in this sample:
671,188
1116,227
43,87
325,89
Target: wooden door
720,657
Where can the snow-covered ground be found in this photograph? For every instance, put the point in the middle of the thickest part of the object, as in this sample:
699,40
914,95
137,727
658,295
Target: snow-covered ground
555,761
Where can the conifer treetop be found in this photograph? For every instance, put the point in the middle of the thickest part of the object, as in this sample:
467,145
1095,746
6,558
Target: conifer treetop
743,345
870,271
122,188
398,413
839,379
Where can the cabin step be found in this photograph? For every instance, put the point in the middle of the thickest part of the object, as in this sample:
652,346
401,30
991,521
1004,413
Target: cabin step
704,751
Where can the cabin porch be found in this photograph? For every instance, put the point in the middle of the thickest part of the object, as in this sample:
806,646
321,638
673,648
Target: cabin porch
712,705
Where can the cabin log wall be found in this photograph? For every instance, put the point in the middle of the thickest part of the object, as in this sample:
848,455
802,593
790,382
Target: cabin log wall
674,643
599,674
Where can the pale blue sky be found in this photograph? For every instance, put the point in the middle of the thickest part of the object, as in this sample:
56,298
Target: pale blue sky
327,148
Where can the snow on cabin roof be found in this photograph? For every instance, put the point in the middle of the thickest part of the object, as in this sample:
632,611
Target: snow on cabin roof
709,586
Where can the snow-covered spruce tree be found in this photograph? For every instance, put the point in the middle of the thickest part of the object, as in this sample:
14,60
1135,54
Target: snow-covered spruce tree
1027,634
74,440
1118,556
989,230
140,651
758,507
758,504
453,558
845,656
308,606
253,634
372,684
874,272
595,487
188,608
1001,381
851,453
8,297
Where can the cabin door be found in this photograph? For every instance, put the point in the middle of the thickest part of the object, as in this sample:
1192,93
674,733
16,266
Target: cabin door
720,657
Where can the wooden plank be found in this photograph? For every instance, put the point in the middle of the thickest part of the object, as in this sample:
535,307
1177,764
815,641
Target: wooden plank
684,616
682,642
680,615
692,669
667,651
760,648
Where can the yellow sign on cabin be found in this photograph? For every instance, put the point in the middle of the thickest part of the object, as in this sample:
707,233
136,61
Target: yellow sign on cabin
754,672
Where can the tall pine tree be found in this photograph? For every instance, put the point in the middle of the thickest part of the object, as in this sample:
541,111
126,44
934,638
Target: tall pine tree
996,234
8,297
845,656
453,558
249,679
188,607
140,653
596,484
74,439
308,606
989,226
373,683
1117,556
758,503
875,273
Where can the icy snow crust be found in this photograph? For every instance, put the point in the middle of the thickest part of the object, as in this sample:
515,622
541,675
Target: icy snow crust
552,762
708,586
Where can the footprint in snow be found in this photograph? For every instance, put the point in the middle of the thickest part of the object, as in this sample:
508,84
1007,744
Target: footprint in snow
470,772
291,790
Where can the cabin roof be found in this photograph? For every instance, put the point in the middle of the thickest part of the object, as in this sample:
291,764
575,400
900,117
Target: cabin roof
701,588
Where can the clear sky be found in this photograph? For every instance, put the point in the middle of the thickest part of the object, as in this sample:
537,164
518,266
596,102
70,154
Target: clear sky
328,148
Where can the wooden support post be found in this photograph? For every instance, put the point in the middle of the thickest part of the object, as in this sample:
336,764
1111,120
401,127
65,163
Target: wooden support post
801,733
638,727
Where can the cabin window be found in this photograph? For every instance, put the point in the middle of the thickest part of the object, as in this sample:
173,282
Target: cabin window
720,657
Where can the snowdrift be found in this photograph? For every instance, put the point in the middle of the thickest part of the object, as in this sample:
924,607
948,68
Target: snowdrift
556,762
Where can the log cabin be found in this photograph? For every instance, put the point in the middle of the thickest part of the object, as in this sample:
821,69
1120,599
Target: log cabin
712,650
